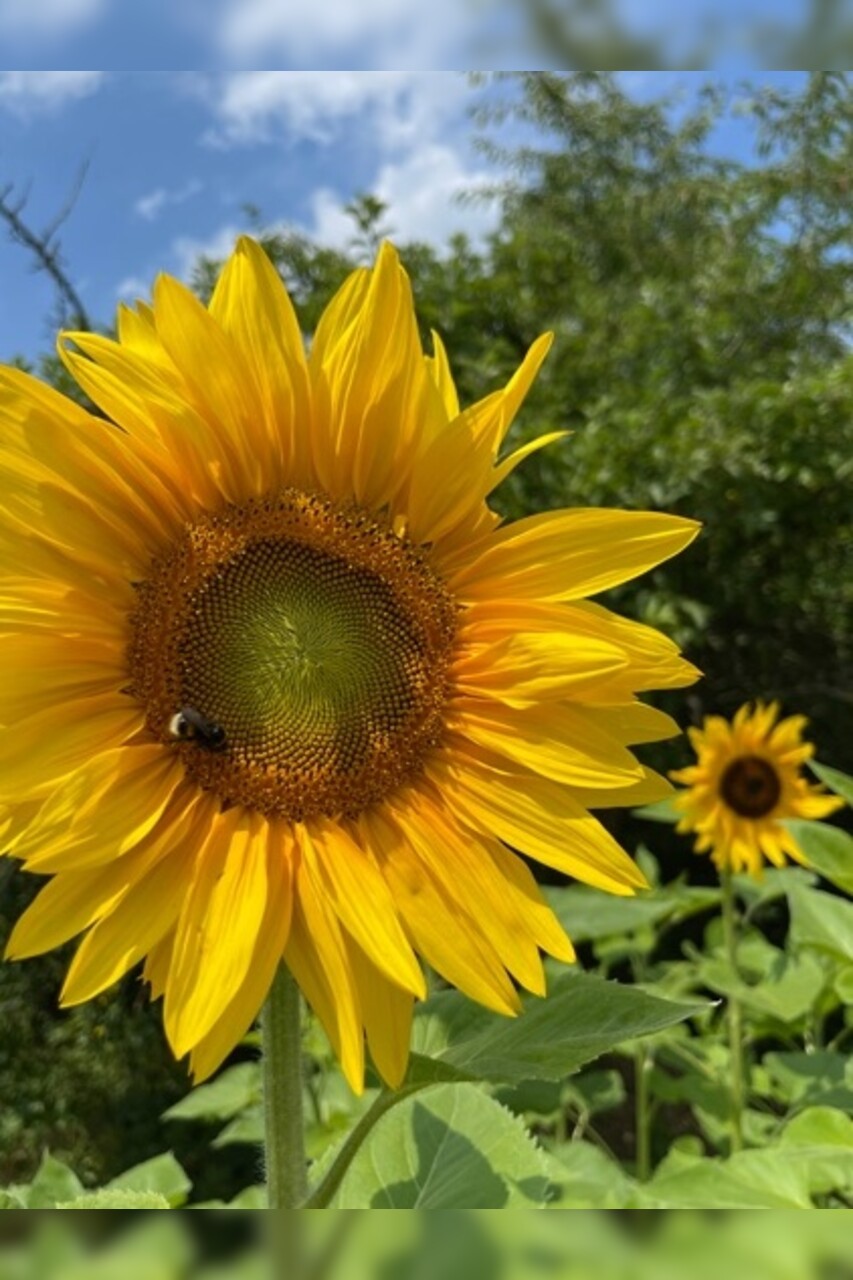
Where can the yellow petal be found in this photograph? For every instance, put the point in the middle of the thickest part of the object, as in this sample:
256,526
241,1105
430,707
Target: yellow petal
454,469
460,868
538,818
646,790
39,751
103,809
527,668
317,957
74,900
155,971
566,555
521,886
387,1013
441,929
218,927
50,668
238,1016
438,366
251,304
129,931
372,393
343,872
554,739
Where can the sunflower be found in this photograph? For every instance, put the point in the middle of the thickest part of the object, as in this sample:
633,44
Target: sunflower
279,684
745,783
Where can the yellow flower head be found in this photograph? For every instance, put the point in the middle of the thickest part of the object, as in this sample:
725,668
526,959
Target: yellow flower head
279,685
746,781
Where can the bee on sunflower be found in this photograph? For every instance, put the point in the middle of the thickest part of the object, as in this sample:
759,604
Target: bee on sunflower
746,781
280,686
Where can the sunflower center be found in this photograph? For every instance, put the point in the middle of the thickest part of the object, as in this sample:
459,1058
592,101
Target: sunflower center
302,651
751,787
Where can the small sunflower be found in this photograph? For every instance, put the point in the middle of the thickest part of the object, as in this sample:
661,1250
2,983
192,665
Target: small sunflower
745,783
280,686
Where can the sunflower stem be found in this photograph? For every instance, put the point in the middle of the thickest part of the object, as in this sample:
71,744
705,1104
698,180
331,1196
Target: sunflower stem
733,1012
642,1069
282,1090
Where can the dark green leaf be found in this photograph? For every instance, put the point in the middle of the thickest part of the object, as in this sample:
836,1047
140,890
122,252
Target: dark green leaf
581,1018
828,849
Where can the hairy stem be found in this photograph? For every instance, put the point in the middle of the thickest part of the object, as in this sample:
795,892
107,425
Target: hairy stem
282,1090
733,1012
642,1067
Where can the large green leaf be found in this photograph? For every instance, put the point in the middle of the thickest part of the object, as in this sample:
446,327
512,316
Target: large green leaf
661,811
822,1078
786,993
828,849
223,1098
820,1140
118,1200
582,1017
584,1177
766,1179
589,915
448,1147
840,783
54,1183
161,1175
823,921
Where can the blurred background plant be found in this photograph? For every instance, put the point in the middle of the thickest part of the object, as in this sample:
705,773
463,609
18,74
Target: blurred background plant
702,314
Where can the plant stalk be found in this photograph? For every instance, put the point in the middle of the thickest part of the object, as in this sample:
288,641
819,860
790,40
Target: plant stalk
284,1134
733,1013
642,1067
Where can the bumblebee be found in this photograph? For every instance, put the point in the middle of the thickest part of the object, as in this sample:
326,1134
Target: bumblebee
190,725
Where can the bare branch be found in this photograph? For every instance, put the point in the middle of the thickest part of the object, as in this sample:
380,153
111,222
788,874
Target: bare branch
46,249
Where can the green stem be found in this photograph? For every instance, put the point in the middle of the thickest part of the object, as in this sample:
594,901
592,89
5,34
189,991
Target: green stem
733,1010
282,1089
322,1195
642,1068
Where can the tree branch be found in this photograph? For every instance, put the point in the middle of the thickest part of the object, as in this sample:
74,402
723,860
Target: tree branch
45,247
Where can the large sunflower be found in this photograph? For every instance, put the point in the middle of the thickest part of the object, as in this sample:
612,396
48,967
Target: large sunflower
746,782
278,685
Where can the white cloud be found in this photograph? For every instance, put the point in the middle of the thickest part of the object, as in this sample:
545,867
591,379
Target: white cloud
150,206
133,287
47,17
397,106
422,193
30,92
188,249
390,33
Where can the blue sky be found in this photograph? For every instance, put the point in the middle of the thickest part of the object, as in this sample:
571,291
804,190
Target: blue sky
133,35
173,156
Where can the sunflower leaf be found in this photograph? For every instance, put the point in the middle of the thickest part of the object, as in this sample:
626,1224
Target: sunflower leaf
589,915
767,1179
661,811
840,783
225,1097
53,1183
117,1200
161,1176
582,1017
822,921
828,849
447,1147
